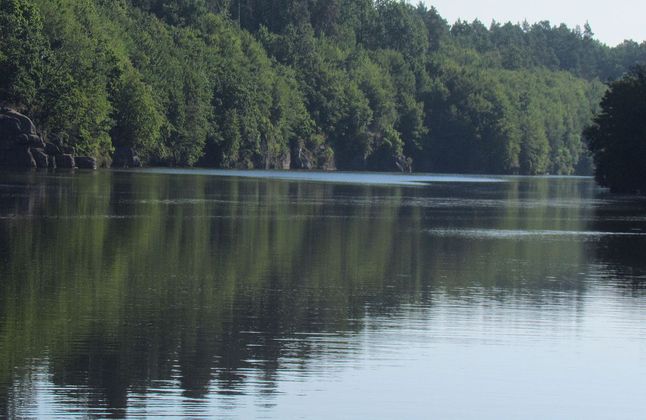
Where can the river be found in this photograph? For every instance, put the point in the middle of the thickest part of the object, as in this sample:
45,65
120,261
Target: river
234,294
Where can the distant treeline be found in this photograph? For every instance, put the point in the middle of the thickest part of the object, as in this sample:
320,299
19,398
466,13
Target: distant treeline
351,84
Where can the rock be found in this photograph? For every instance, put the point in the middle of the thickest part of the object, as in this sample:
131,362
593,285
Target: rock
329,164
286,161
41,158
304,158
85,162
35,142
306,155
25,124
52,149
404,164
26,159
18,122
67,150
6,142
65,162
22,139
282,161
20,158
125,157
22,147
9,130
17,135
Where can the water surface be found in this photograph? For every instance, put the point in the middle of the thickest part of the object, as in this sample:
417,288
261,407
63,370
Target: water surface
280,295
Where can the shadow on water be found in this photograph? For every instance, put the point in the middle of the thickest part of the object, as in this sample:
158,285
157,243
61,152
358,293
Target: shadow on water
116,284
622,257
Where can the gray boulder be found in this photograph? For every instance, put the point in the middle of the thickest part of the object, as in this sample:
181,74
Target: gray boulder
304,158
65,162
25,124
22,158
85,162
52,150
9,131
404,164
22,139
35,142
17,135
41,158
312,156
22,147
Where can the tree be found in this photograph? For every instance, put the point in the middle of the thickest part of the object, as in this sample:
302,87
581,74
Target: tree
350,84
137,122
617,137
22,46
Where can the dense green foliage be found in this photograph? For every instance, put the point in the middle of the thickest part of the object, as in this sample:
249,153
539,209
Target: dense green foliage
617,137
356,84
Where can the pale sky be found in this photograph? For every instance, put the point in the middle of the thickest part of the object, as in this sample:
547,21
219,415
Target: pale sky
611,21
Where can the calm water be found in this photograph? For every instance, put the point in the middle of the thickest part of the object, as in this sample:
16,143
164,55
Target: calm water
221,294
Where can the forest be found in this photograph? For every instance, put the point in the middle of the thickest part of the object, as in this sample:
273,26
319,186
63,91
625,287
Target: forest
306,84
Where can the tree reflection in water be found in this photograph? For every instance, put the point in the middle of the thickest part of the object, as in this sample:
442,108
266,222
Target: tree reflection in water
119,283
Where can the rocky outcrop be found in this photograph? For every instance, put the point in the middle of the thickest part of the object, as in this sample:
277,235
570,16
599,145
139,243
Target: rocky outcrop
404,164
282,161
304,159
52,149
18,157
309,156
41,158
65,162
85,162
22,147
125,157
17,136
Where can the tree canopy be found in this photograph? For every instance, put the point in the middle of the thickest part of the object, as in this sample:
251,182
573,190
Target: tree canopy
617,137
351,84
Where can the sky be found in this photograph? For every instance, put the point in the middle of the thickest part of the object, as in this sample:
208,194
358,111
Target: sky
611,21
